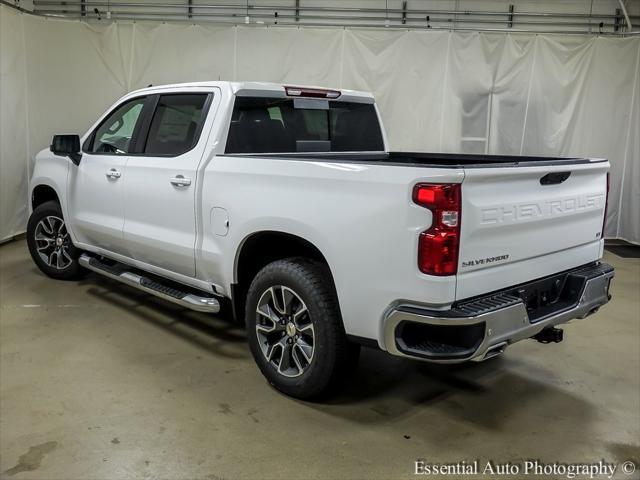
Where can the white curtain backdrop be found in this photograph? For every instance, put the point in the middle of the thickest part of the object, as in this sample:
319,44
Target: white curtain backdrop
438,91
13,126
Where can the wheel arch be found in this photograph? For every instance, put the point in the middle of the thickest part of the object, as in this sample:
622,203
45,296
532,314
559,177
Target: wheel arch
42,193
261,248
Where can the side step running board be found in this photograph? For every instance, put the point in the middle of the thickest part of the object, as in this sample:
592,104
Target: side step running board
120,272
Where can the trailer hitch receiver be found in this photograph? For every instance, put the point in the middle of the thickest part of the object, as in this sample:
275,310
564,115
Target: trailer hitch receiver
550,335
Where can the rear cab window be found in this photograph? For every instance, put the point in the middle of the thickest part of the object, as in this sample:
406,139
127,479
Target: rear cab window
285,125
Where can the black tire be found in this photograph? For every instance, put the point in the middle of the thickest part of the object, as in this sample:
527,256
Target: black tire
63,258
333,356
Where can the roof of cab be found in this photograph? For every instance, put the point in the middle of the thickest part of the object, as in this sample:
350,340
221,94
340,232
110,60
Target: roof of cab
258,89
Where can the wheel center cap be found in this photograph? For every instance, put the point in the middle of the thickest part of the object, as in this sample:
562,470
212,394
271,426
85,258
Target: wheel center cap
59,241
291,329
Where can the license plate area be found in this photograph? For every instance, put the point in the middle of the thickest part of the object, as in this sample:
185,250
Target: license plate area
551,295
545,296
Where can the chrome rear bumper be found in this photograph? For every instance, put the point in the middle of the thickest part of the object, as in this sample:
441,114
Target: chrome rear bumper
482,327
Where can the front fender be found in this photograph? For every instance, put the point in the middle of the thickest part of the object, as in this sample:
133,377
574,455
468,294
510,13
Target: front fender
53,171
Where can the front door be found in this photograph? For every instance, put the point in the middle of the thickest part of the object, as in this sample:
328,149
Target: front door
95,187
160,190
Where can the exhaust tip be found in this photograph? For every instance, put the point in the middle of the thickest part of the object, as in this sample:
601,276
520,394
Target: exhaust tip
494,351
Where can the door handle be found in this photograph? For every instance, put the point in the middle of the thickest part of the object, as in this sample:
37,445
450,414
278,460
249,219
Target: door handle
113,174
180,181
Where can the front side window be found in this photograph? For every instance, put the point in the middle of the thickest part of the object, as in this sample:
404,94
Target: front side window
283,125
115,132
176,123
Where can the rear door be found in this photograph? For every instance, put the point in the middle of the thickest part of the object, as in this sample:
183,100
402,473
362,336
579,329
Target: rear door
524,222
160,191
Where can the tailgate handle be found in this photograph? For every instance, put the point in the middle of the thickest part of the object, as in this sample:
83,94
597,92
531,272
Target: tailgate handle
554,178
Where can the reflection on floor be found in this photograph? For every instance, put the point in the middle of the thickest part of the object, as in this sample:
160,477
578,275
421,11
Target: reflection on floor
98,380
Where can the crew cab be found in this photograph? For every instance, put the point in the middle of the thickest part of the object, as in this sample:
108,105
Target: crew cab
285,203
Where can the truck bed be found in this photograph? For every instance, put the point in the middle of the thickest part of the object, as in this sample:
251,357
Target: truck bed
535,220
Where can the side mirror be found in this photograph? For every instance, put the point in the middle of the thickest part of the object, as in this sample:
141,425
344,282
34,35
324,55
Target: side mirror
67,146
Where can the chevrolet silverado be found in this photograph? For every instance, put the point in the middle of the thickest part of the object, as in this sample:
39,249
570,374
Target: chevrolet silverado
286,204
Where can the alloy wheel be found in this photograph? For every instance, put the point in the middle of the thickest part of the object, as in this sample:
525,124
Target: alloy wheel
285,331
53,242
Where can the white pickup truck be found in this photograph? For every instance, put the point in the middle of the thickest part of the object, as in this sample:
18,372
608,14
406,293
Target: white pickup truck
285,203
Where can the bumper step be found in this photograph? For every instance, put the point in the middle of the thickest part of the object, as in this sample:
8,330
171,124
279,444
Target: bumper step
125,274
486,304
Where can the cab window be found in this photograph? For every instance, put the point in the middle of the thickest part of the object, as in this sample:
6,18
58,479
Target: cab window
282,125
114,134
176,124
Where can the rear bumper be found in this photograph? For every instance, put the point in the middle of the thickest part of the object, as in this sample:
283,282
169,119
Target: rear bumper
482,327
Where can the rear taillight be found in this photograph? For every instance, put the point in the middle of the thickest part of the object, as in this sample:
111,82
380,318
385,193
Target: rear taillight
606,205
438,246
311,92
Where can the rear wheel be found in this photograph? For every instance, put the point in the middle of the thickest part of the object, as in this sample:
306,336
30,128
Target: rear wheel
50,244
295,329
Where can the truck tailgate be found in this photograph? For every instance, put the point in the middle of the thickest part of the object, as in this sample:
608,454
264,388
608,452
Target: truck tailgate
524,222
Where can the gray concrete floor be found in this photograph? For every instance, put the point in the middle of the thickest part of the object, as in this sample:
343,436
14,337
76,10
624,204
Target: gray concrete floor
100,381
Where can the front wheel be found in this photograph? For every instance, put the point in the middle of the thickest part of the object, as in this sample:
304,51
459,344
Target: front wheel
295,329
50,245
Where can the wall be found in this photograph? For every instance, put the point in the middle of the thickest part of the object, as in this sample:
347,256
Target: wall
265,11
438,91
